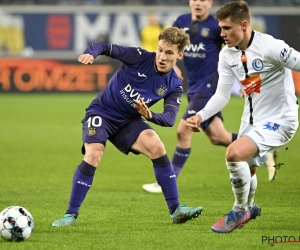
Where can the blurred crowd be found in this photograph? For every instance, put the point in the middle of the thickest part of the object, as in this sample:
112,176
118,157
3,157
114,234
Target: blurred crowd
142,2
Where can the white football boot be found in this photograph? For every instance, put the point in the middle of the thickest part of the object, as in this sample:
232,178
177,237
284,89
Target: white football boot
271,165
152,188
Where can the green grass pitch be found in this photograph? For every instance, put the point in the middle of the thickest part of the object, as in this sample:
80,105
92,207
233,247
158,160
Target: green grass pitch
40,140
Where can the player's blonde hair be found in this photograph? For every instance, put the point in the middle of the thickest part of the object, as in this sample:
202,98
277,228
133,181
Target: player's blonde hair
175,35
237,11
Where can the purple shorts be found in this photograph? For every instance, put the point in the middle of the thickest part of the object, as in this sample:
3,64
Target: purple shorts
122,134
197,102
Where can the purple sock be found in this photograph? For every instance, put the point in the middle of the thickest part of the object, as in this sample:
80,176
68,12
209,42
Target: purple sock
180,156
166,178
82,181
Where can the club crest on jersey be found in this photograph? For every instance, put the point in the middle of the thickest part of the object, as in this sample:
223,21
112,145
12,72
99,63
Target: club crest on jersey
161,91
91,131
205,32
258,64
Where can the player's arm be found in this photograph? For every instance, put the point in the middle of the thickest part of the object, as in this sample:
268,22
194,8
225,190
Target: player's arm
294,63
128,55
171,106
281,53
216,103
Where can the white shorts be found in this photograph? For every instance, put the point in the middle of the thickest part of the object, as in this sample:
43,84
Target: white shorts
267,136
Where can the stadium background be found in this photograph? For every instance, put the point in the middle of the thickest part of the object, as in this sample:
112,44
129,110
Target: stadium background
40,40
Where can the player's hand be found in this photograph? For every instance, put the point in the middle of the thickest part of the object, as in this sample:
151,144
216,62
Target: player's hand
142,108
86,59
194,122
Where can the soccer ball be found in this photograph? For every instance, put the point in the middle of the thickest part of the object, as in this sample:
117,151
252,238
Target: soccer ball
16,223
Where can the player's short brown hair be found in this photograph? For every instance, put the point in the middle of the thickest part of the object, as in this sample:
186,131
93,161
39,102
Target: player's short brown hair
175,35
237,11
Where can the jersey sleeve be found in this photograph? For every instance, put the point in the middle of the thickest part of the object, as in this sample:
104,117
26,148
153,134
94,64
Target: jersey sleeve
171,106
226,76
127,55
280,53
217,102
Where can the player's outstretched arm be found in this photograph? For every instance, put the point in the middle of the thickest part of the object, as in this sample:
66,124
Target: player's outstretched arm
194,122
86,59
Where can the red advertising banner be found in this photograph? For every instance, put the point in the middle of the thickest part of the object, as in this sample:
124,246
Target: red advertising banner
39,75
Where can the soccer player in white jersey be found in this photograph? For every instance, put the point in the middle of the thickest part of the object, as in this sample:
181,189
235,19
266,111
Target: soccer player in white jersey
263,66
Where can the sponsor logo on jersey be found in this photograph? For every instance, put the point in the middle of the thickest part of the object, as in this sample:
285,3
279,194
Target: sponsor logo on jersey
161,91
129,94
194,50
195,47
205,32
172,176
252,84
141,75
91,131
139,51
271,126
258,64
285,54
233,65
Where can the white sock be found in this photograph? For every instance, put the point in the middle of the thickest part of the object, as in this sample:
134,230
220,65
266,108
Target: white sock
240,181
253,187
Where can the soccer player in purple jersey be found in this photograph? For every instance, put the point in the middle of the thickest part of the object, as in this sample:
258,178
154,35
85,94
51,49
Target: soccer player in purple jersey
120,113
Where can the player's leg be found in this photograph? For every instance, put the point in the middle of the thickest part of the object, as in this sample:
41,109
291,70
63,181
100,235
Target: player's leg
216,132
254,209
95,138
236,160
184,134
149,144
82,181
183,148
256,141
180,156
184,140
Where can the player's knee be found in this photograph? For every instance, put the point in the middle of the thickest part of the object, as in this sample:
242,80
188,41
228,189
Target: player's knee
232,154
183,134
93,157
214,140
157,149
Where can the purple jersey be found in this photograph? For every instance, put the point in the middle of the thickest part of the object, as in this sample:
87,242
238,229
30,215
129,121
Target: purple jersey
136,78
201,56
